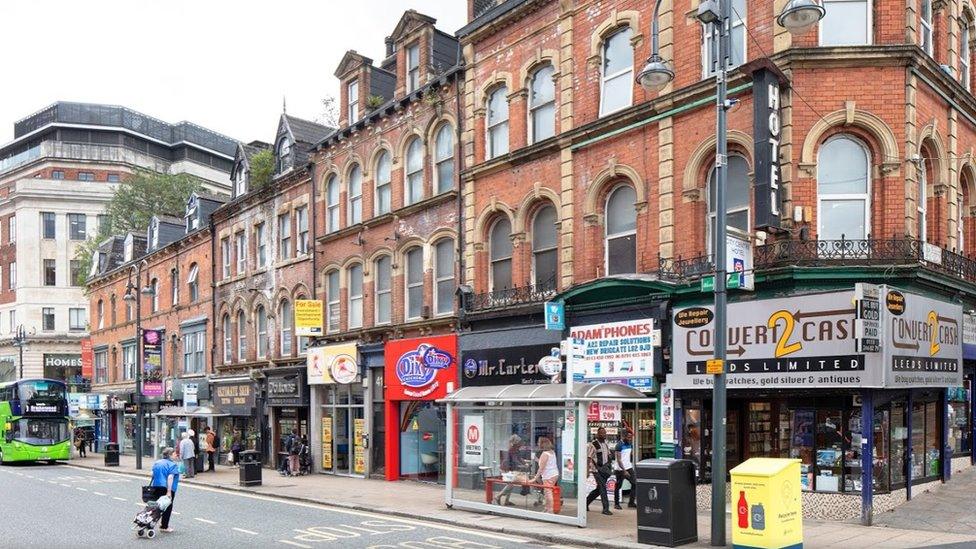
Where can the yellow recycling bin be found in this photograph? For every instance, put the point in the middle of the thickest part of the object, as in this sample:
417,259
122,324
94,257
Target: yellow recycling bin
766,505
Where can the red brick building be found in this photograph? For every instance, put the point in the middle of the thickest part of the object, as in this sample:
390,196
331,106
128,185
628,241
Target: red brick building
169,268
387,216
264,262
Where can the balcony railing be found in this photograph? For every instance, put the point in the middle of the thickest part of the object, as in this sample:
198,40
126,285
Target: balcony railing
509,297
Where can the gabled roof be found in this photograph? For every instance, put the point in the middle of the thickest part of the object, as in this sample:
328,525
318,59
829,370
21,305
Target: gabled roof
246,151
351,60
305,131
410,20
169,220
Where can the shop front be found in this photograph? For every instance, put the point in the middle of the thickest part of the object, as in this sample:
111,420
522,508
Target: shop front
372,356
418,372
859,390
236,398
288,399
339,400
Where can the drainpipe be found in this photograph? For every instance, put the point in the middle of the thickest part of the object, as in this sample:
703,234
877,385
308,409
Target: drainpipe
213,295
312,229
459,162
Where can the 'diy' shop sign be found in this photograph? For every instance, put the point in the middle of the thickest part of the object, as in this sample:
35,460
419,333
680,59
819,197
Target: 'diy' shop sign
800,341
421,368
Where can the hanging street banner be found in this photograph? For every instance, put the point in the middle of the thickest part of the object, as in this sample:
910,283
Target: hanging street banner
308,317
152,363
811,341
87,359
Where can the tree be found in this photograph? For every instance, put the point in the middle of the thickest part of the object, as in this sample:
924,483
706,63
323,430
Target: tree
330,112
139,197
262,168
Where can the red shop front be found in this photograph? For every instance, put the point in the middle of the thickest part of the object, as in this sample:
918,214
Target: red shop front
418,372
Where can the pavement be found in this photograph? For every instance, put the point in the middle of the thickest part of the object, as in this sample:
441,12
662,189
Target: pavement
59,506
412,500
950,507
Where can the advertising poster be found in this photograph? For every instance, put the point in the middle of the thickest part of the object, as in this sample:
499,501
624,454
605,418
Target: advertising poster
667,414
152,363
569,447
308,317
87,359
618,351
474,440
332,364
327,443
190,395
358,451
604,411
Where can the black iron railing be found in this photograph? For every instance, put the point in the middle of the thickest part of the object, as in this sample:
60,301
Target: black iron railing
681,268
509,297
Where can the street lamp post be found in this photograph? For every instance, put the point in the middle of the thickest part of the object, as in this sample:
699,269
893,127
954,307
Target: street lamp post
20,340
798,16
133,292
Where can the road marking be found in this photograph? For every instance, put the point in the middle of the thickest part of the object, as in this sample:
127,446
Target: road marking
66,485
245,531
118,498
295,543
353,512
80,488
137,504
204,520
98,493
52,482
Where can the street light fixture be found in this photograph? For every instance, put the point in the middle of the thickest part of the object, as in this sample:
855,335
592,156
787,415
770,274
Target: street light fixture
130,295
20,341
798,16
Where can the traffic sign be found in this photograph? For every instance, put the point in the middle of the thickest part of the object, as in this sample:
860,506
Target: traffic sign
714,366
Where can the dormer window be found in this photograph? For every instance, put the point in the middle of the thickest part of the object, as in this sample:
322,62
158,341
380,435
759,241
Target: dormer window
129,249
95,264
284,154
192,219
152,237
240,180
353,93
413,67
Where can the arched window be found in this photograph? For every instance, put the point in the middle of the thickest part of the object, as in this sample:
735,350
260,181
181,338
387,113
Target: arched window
332,203
444,285
621,231
355,213
287,322
965,184
925,18
261,316
542,105
241,337
545,255
100,311
415,283
965,53
284,154
736,199
383,283
240,180
154,288
228,339
193,282
112,309
414,191
444,159
355,289
332,294
174,284
924,172
500,249
842,190
617,72
383,177
497,126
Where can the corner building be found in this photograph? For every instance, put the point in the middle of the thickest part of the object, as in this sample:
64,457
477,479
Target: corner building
579,186
387,259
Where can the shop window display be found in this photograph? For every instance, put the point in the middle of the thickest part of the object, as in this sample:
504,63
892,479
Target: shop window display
960,417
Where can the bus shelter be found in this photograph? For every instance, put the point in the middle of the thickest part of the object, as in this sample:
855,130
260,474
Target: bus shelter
172,421
497,434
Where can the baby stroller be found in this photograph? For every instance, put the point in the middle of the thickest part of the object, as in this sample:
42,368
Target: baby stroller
304,460
156,502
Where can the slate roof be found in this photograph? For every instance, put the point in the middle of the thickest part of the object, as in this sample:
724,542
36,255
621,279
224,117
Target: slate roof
306,131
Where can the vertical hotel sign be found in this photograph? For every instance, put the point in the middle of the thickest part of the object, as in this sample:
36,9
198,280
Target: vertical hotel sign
152,363
767,129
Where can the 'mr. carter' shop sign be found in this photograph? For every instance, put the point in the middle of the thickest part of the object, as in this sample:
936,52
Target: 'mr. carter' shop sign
808,341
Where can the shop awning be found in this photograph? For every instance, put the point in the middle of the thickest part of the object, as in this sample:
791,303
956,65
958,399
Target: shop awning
633,287
191,411
551,392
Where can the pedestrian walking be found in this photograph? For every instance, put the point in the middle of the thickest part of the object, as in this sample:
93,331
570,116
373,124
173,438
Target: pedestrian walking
80,442
166,474
294,448
211,448
598,460
188,455
624,469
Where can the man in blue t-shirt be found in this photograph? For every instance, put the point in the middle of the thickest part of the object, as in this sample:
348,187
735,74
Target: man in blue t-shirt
166,474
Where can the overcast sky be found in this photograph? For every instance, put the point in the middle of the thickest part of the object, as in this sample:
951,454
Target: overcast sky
221,64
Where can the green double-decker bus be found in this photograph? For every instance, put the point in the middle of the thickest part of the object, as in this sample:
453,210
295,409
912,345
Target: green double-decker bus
34,421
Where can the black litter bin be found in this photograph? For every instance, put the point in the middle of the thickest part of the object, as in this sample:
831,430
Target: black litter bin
666,509
112,454
250,463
